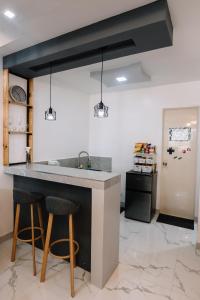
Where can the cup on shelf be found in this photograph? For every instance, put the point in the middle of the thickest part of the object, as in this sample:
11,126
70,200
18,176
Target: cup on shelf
137,168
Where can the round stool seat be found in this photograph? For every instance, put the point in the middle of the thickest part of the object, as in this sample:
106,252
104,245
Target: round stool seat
22,197
60,206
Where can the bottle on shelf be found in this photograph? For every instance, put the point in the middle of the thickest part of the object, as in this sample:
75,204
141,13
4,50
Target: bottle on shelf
28,156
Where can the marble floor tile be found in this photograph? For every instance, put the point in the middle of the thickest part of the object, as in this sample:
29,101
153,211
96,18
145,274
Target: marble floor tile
157,262
187,273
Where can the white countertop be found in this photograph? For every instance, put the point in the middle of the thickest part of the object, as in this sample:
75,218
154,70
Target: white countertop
74,176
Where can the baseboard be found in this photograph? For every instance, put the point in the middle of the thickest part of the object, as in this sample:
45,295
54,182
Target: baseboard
5,237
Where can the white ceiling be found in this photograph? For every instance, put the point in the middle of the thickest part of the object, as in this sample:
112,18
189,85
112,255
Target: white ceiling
40,20
133,73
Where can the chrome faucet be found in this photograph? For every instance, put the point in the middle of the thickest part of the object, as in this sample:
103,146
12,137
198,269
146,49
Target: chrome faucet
79,158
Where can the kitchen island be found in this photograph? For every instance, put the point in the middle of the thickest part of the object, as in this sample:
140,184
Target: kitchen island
97,225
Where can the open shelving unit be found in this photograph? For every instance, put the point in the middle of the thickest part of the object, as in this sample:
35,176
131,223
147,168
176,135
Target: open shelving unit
7,132
144,158
20,104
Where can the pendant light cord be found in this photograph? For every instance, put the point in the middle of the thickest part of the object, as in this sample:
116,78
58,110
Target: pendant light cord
50,83
101,73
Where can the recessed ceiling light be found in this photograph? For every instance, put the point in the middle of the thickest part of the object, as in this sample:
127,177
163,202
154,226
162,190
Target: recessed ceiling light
9,14
121,79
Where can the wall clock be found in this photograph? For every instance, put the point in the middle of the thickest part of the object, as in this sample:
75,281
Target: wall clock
17,94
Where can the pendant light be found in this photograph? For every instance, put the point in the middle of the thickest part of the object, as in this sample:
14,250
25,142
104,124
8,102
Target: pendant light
50,113
100,110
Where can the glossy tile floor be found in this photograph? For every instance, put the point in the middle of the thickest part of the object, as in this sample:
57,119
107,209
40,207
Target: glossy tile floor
157,262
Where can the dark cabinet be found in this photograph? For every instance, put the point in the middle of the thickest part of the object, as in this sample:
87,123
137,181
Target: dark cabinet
140,202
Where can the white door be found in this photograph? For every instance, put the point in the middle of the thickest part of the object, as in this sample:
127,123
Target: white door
178,175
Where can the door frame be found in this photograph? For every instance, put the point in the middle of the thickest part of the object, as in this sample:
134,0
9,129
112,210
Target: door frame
197,169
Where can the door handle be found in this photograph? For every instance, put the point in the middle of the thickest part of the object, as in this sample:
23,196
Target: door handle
164,164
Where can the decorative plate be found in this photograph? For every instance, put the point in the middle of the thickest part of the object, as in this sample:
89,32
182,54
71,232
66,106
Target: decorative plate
18,94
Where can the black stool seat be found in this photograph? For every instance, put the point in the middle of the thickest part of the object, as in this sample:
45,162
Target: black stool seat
60,206
33,200
22,197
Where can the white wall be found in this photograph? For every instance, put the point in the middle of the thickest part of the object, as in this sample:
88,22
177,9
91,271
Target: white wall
136,116
70,133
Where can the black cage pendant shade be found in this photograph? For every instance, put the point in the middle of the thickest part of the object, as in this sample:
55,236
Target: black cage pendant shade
100,109
50,113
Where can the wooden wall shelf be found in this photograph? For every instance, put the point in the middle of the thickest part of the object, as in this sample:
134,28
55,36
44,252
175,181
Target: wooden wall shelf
19,132
6,111
21,104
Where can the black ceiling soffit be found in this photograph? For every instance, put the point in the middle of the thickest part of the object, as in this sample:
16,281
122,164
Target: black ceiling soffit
142,29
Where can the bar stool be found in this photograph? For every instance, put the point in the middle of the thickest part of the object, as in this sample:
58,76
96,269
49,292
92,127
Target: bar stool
22,197
64,207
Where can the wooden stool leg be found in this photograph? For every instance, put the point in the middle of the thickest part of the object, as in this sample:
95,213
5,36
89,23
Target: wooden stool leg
41,222
46,248
33,240
71,253
14,243
74,250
